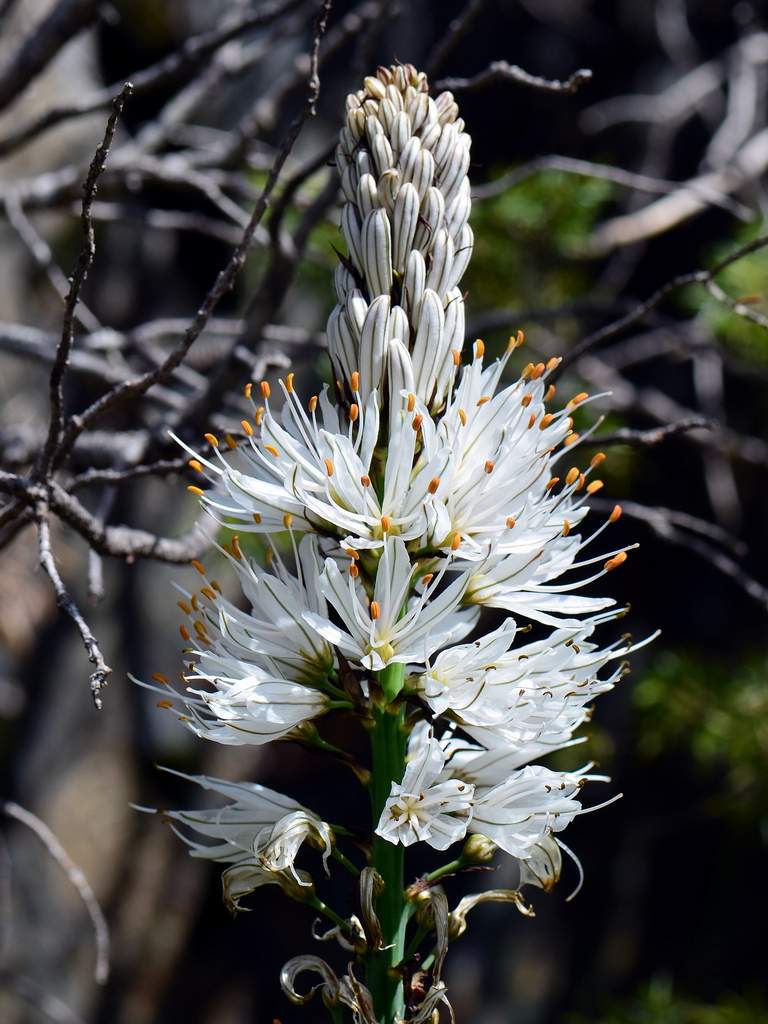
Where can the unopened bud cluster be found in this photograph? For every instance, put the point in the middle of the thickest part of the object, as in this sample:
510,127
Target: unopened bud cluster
403,158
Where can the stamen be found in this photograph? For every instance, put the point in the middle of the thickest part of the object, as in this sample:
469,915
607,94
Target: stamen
237,551
483,399
616,514
411,405
538,370
289,382
550,393
597,458
287,520
526,400
532,420
212,440
375,609
546,419
616,561
354,572
328,467
354,412
427,578
256,516
553,483
185,635
247,427
216,586
266,390
231,442
488,466
578,399
571,439
386,524
199,566
527,371
433,484
164,704
595,486
160,678
417,421
248,389
272,450
194,464
258,415
553,363
312,403
456,355
355,381
195,490
365,481
511,522
184,607
463,417
456,542
479,348
566,527
572,476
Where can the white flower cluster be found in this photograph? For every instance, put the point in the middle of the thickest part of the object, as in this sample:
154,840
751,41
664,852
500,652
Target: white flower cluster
414,494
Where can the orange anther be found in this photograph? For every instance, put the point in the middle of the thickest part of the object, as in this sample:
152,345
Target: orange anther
594,486
355,381
479,348
212,440
328,467
616,561
272,450
354,412
616,514
375,609
433,484
199,566
488,466
266,390
365,481
572,475
247,427
511,522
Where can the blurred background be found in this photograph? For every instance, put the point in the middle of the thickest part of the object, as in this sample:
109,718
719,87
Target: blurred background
587,203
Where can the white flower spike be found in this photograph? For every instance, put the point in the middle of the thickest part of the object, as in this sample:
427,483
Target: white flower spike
420,489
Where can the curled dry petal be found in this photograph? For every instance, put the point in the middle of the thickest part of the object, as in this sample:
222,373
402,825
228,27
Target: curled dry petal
458,918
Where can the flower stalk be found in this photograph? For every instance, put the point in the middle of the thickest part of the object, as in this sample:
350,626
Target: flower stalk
388,746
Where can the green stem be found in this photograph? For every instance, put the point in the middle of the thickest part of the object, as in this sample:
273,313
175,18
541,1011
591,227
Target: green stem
388,748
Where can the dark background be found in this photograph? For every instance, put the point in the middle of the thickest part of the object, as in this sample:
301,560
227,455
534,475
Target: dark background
669,925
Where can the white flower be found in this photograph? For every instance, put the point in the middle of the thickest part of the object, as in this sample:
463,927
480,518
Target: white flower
251,708
273,633
424,807
298,474
391,628
258,828
537,692
522,810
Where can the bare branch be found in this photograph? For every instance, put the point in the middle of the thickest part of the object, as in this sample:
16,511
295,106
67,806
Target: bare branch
87,253
501,71
703,277
66,603
226,277
647,438
617,175
457,30
65,20
183,61
75,876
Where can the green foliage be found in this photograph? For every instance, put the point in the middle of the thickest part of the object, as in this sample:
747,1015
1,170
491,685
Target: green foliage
745,280
524,239
659,1004
718,712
